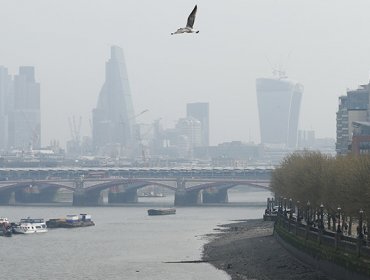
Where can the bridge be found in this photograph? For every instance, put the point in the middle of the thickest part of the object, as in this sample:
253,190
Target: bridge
191,186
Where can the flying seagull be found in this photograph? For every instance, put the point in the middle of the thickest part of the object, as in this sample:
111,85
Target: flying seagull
189,24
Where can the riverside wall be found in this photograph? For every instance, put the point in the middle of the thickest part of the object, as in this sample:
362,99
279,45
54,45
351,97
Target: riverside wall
338,256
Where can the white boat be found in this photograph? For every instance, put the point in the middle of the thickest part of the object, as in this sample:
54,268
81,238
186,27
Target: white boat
30,225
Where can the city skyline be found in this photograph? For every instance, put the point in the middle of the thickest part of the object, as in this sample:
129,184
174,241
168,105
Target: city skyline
68,47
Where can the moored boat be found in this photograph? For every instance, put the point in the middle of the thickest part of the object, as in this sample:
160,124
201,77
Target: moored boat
155,212
71,221
30,225
5,227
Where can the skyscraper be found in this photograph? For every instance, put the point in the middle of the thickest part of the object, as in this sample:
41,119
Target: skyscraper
6,85
189,135
113,118
200,111
279,101
24,125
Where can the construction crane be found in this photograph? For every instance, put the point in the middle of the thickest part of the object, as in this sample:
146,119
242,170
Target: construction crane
127,128
145,136
75,129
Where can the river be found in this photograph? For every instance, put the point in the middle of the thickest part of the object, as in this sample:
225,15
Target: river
125,243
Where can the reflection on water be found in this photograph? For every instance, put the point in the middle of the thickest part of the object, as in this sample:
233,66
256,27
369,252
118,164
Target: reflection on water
126,243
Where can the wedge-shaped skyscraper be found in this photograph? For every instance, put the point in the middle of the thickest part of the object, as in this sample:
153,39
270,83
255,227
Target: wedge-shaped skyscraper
113,118
279,101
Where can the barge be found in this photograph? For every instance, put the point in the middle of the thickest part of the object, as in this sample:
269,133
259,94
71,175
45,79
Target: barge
155,212
71,221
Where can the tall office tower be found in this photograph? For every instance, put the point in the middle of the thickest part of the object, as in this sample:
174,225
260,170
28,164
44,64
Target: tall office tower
189,135
5,104
279,101
113,118
25,118
353,107
200,111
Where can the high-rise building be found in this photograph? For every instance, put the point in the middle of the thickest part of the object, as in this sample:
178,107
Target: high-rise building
113,118
279,101
24,124
200,111
353,107
6,85
188,136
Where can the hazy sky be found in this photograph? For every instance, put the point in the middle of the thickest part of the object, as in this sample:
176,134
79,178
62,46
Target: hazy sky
325,45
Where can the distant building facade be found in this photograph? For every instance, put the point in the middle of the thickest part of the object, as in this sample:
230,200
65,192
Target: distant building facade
189,135
200,111
279,101
114,118
20,116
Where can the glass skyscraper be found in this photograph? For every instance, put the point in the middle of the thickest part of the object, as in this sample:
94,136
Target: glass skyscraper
113,118
279,101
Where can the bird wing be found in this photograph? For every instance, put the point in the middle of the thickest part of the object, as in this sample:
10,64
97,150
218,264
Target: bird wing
191,18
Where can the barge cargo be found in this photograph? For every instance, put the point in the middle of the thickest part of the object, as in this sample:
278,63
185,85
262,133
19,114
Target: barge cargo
71,221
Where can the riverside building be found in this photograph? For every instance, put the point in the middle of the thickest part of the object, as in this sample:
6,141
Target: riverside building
353,112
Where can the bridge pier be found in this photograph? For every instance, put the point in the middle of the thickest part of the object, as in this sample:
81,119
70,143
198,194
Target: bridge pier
6,197
126,196
215,196
84,199
187,198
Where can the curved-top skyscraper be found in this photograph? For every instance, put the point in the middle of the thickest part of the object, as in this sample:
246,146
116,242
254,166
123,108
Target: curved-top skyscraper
113,118
279,101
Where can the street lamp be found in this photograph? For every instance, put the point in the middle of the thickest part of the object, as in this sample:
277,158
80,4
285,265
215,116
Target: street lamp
360,227
299,211
284,206
308,212
339,228
280,204
321,226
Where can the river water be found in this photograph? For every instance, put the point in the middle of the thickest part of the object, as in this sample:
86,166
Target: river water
125,243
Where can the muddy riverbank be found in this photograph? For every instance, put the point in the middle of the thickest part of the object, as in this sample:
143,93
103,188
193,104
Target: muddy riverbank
248,250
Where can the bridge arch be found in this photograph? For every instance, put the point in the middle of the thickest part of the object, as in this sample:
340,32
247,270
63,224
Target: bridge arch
126,191
30,192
